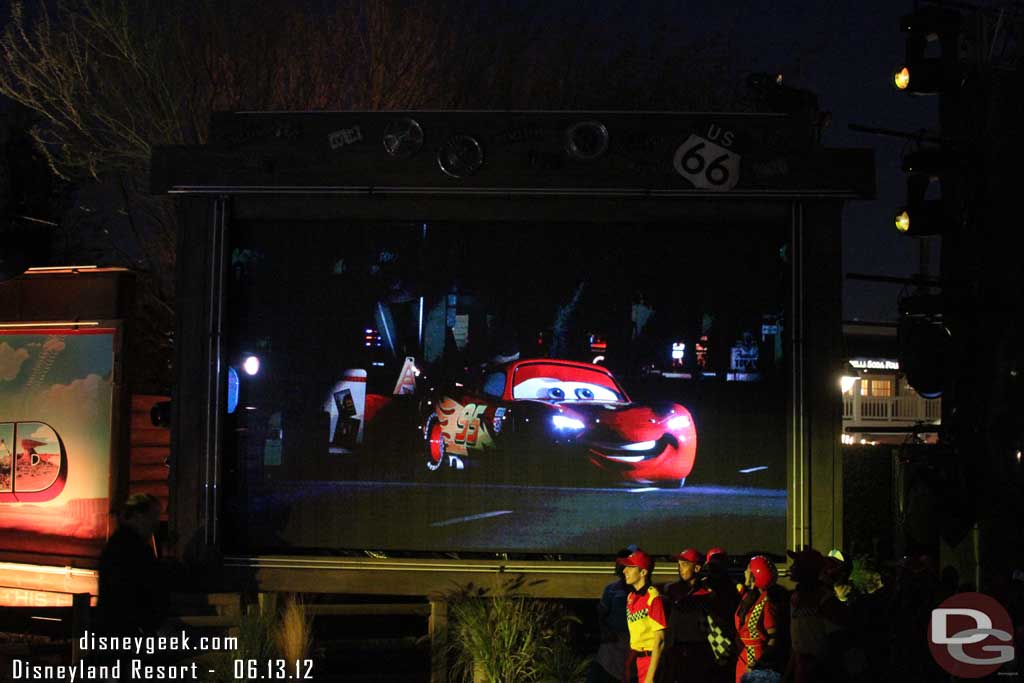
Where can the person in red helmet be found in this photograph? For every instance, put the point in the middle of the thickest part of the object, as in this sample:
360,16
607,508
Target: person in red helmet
758,618
714,554
716,575
724,600
645,617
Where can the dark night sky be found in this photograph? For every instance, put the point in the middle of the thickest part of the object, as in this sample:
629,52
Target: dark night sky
843,50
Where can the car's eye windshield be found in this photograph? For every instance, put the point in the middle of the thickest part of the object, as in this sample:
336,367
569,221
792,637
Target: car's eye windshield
554,389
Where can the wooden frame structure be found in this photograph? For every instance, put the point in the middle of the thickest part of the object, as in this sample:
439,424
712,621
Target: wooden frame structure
532,165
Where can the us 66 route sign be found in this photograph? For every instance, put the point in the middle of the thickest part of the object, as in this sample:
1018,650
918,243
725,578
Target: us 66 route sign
706,164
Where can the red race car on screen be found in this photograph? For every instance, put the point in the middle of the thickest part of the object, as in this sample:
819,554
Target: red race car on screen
558,414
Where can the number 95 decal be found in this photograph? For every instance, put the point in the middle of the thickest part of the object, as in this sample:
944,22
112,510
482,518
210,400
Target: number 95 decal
465,430
707,165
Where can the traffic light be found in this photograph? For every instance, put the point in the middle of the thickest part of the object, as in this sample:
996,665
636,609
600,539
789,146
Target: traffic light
932,51
933,205
939,55
924,343
936,493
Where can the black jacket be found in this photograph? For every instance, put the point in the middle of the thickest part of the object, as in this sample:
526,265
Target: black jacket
133,585
687,612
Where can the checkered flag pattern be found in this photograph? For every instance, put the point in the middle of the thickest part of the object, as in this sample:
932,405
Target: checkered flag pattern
721,644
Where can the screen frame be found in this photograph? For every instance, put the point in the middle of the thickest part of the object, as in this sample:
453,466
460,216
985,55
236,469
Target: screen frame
274,166
204,500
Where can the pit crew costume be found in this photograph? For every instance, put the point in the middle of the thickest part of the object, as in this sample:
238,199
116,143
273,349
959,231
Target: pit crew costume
645,617
757,617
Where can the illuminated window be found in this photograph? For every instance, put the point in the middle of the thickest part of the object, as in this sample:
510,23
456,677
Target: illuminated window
881,387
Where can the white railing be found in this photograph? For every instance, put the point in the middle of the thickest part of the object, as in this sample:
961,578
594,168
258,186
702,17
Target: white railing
909,409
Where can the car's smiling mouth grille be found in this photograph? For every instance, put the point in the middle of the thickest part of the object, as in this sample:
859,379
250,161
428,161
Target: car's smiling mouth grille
636,451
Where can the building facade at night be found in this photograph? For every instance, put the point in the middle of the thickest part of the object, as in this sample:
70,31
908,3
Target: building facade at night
879,405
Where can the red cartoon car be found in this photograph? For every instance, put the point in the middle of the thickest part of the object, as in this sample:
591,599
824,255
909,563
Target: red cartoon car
557,412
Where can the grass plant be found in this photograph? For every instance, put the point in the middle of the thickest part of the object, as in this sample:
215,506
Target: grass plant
293,634
500,635
263,635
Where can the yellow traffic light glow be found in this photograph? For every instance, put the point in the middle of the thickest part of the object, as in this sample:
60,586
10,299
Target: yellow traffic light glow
903,221
901,78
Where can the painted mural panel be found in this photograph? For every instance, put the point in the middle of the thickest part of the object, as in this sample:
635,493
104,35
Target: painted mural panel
56,394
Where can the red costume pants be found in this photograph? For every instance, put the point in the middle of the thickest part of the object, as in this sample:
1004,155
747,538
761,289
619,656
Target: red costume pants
749,654
643,663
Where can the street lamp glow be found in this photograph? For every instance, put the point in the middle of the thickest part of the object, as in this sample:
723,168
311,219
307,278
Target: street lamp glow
251,365
847,382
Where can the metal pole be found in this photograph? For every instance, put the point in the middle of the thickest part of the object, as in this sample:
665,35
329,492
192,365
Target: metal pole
79,623
437,629
423,246
923,260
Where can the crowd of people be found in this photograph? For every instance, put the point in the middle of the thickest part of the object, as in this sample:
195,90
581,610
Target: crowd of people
842,622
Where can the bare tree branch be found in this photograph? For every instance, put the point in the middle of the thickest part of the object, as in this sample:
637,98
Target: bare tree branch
111,79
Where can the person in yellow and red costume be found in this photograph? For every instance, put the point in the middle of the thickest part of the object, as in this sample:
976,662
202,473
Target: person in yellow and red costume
645,617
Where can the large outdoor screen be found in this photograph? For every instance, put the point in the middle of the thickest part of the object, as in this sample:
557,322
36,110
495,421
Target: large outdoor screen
531,388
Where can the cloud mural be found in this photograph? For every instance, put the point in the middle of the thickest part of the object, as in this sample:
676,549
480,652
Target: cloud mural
44,434
11,360
54,345
80,398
